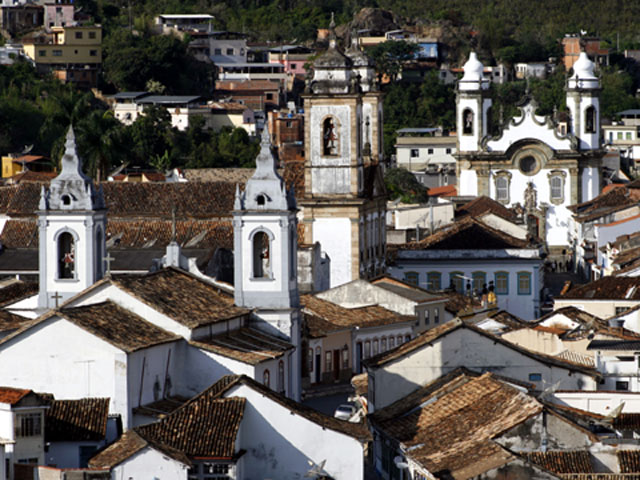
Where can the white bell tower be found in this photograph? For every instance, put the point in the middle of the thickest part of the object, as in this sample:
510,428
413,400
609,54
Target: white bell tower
583,101
265,255
472,106
72,220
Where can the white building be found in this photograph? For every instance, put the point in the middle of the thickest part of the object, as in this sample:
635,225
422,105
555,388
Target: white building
428,155
529,163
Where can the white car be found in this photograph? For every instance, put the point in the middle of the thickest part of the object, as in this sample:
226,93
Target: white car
345,411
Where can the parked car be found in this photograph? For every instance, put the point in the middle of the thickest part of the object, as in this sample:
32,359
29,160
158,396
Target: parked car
345,411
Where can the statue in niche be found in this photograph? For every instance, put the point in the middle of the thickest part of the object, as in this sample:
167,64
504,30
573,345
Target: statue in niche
530,197
467,128
330,138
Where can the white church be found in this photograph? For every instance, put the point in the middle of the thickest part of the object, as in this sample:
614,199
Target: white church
533,163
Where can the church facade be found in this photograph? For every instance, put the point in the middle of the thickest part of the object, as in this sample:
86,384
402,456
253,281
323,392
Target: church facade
344,204
533,164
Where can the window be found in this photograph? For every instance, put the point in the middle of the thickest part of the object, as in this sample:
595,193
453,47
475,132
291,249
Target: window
327,361
261,260
57,53
622,386
528,164
293,66
415,153
392,342
479,281
411,277
620,310
467,122
426,316
430,151
375,346
502,283
266,378
524,283
269,96
433,281
92,35
590,120
448,151
619,136
217,51
78,35
535,377
229,51
628,136
367,349
456,281
502,182
383,344
42,53
66,255
345,358
28,424
310,359
399,340
436,315
556,186
330,138
93,53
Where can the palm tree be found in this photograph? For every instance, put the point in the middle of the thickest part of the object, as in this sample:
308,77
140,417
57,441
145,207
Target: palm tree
99,142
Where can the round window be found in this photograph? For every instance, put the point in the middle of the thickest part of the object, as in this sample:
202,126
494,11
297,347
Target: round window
528,164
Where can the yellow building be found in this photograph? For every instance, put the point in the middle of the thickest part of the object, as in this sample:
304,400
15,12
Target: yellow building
73,54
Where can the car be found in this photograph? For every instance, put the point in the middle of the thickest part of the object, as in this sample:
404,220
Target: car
345,411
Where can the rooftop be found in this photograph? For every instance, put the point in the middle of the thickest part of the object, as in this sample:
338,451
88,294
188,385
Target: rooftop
77,420
605,288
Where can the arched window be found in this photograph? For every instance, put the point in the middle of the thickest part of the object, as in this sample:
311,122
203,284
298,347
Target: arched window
266,378
590,120
261,256
502,189
467,122
281,376
66,256
330,138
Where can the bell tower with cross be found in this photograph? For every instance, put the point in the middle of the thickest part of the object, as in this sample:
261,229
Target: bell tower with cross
72,220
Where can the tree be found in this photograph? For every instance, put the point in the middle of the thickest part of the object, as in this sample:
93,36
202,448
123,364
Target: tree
402,184
100,143
390,55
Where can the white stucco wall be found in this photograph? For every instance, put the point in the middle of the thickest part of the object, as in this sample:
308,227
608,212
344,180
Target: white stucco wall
280,443
465,348
468,183
590,181
602,403
609,232
150,463
334,235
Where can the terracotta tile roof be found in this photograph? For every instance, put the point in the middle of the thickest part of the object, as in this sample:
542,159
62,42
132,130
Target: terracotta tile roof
607,203
511,321
606,288
246,344
20,233
466,234
452,427
626,257
318,327
235,85
577,358
10,321
355,430
206,426
599,476
443,191
410,292
12,395
232,175
77,420
130,443
481,205
293,174
181,296
629,461
562,461
428,337
370,316
627,421
161,408
29,158
31,176
17,290
121,328
227,107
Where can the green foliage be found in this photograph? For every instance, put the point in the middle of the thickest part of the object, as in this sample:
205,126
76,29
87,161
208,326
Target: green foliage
390,55
402,184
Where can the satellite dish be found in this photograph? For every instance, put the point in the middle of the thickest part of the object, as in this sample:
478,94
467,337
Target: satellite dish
317,470
400,463
27,149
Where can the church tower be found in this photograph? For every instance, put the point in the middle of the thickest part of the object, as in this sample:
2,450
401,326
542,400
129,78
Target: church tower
583,101
72,220
344,204
265,255
473,104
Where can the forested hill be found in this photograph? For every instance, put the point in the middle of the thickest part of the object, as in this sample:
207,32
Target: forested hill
500,22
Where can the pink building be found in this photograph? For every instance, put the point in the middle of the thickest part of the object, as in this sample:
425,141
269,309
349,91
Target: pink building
293,57
58,14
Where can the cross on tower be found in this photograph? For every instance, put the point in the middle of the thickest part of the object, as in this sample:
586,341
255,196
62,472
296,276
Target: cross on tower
56,297
108,259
